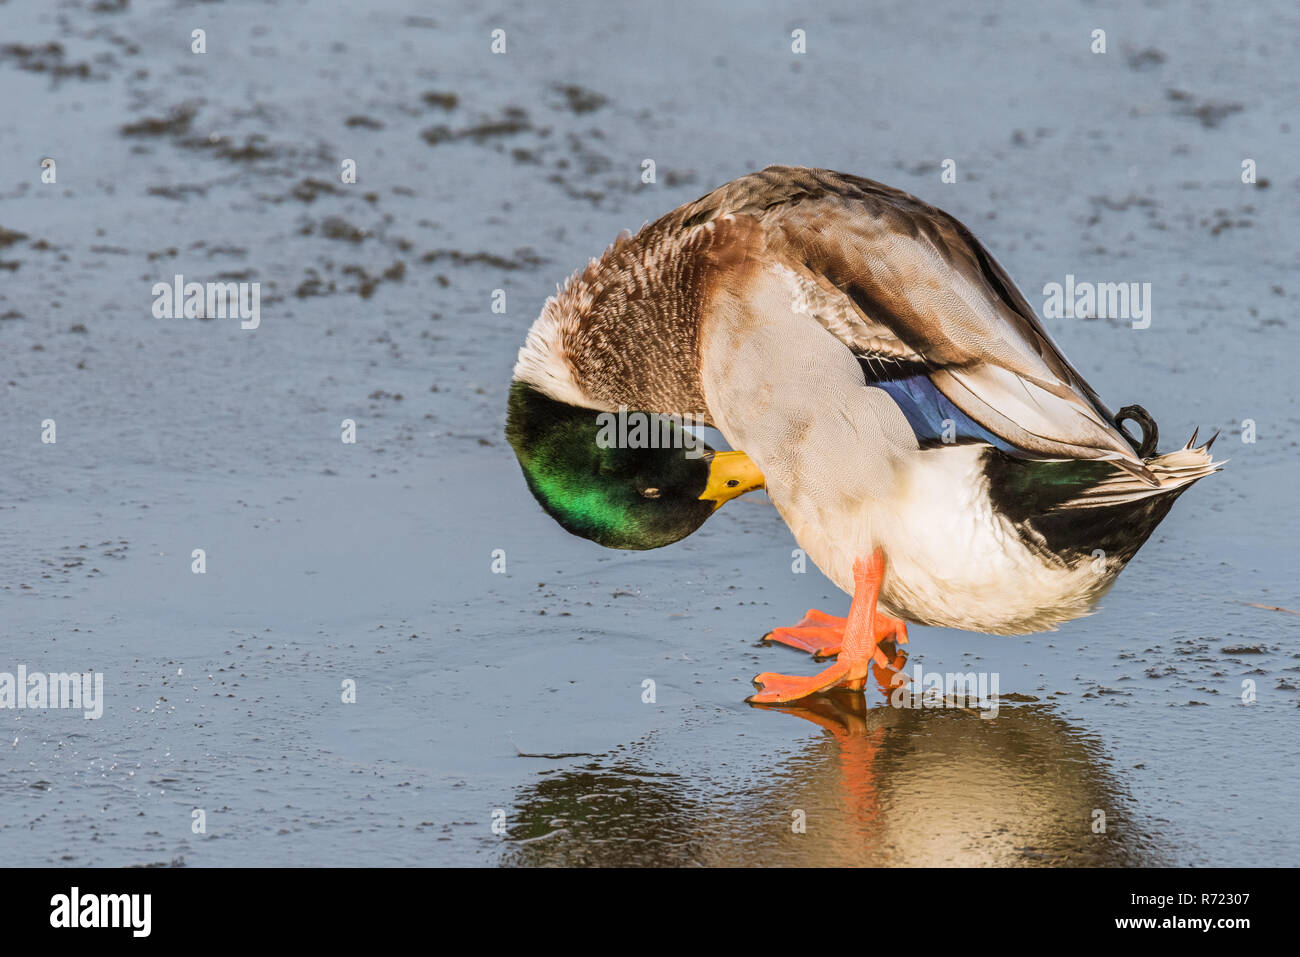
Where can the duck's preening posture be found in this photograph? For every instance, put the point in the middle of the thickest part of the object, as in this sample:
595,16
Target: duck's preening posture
929,447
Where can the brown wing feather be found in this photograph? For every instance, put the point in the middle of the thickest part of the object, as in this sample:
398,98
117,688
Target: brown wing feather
914,273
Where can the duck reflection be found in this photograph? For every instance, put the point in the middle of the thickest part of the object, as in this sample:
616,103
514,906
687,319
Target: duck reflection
884,786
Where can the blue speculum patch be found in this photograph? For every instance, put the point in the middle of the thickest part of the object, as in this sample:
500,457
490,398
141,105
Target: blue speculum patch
928,412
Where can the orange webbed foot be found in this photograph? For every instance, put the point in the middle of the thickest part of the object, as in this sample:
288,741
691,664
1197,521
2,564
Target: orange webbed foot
858,646
776,688
822,635
888,627
817,633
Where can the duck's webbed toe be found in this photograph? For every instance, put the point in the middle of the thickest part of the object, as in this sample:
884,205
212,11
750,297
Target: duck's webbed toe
817,633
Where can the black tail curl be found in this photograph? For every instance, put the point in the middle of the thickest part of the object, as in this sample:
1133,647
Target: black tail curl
1150,434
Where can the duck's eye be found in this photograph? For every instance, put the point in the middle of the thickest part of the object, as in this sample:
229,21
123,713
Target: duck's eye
650,492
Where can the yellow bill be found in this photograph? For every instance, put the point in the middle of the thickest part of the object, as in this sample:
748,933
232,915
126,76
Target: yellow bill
731,474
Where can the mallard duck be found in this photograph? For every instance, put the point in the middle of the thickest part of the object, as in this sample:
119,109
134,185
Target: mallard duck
930,448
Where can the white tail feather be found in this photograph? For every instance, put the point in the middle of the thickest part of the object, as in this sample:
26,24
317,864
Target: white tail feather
1173,470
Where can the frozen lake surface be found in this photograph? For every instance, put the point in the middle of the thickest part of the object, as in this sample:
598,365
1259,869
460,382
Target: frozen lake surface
517,697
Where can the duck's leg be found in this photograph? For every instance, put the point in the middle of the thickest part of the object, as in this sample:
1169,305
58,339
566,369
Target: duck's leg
857,650
822,635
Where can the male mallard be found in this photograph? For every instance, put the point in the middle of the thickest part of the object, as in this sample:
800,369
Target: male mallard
930,448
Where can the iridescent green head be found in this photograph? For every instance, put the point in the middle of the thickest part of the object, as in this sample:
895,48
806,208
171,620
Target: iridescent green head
620,494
